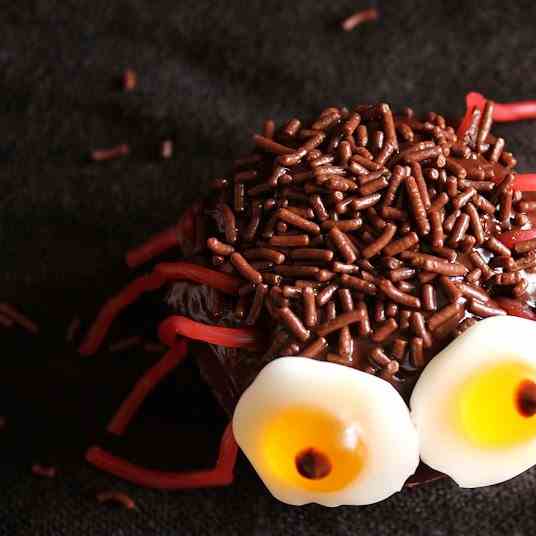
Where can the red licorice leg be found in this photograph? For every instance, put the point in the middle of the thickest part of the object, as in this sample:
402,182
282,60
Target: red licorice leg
228,337
145,385
514,111
175,236
162,273
22,320
512,237
157,244
472,100
226,283
502,112
525,182
220,475
515,307
113,307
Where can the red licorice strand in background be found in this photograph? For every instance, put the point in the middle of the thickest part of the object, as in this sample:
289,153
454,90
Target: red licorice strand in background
117,497
101,155
228,337
145,385
113,307
47,471
162,273
165,240
220,475
510,238
22,320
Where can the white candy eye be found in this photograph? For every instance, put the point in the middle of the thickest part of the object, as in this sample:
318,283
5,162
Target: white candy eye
474,405
324,433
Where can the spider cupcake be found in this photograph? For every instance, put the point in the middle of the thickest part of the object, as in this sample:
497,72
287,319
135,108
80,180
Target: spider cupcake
357,284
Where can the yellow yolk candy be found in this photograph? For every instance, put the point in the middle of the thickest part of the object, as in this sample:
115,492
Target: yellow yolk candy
493,406
312,449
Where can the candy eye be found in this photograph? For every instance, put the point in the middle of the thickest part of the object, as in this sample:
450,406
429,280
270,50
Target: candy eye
320,432
474,406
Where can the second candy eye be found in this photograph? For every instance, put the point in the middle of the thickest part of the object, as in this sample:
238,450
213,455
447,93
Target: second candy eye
320,432
474,406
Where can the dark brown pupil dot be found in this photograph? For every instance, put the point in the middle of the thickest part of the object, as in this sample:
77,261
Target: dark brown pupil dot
526,398
313,464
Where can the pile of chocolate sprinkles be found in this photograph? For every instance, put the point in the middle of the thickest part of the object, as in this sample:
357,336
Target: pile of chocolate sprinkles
368,238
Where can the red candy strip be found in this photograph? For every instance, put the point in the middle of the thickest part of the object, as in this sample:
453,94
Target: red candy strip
220,475
228,337
113,307
162,273
502,112
229,284
515,307
17,317
514,111
43,470
175,236
157,244
472,100
145,385
512,237
525,182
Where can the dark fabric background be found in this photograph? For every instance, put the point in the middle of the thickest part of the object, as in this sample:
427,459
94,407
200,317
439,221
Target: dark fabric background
210,72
